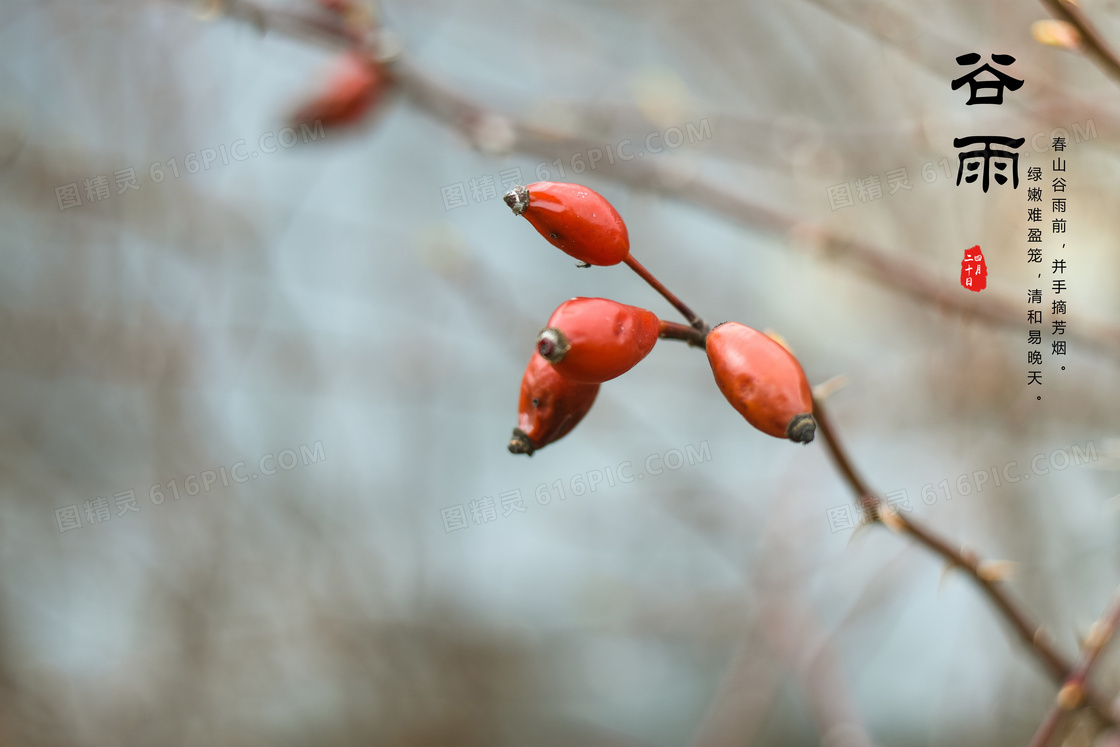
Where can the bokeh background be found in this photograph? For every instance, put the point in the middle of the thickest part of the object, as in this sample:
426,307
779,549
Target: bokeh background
330,300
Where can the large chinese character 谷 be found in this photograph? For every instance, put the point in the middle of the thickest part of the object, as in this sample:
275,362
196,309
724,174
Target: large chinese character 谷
1002,80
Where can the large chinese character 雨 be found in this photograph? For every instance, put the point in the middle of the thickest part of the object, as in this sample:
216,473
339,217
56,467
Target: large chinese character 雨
1002,80
973,158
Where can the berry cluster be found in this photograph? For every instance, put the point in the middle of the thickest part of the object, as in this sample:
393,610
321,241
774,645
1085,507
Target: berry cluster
591,340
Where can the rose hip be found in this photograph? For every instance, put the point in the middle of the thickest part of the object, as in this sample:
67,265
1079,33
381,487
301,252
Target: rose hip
353,87
595,339
763,381
550,406
575,219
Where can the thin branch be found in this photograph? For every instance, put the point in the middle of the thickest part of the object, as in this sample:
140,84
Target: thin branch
1073,692
1059,668
1029,632
692,317
323,27
1049,727
1091,40
864,494
691,335
968,561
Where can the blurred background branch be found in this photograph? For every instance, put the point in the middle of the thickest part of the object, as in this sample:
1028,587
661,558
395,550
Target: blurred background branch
323,294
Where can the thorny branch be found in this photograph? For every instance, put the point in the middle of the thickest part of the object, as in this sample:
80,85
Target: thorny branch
1072,694
500,133
985,576
964,559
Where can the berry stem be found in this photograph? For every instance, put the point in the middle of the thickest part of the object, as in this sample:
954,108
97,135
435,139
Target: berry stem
693,319
674,331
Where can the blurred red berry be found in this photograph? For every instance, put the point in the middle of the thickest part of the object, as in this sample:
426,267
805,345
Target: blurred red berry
353,87
596,339
550,406
337,6
575,219
763,381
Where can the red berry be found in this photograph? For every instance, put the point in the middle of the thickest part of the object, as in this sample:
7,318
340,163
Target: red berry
595,339
550,406
337,6
575,219
353,87
763,381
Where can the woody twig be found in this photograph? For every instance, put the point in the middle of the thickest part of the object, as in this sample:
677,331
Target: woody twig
990,581
693,318
1073,692
1090,42
674,331
1029,632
